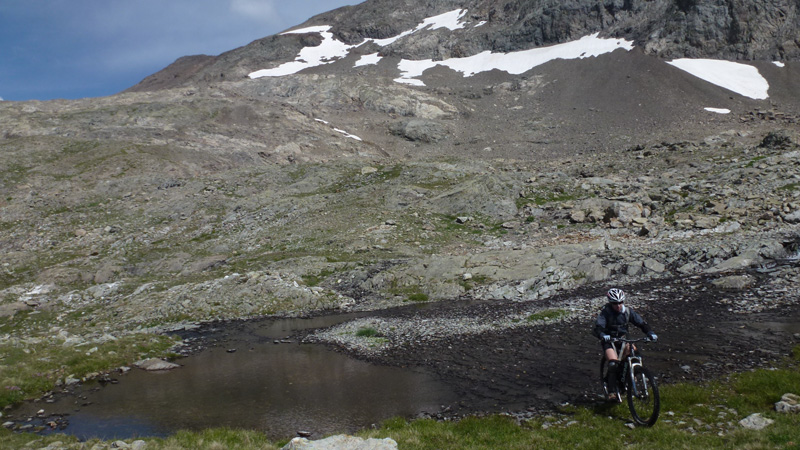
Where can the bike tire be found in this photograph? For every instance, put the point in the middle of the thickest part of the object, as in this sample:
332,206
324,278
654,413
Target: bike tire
643,398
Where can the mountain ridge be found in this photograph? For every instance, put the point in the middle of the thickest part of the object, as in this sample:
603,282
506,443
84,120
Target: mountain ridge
731,29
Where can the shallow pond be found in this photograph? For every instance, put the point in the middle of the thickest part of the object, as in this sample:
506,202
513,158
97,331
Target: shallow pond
278,388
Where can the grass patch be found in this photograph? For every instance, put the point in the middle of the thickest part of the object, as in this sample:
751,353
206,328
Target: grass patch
476,280
418,297
367,332
753,161
30,370
547,314
315,279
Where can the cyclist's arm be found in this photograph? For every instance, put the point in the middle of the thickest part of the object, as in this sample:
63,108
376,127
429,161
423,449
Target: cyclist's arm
637,320
599,325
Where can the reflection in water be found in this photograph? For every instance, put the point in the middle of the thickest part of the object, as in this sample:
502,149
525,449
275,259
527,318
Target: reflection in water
279,389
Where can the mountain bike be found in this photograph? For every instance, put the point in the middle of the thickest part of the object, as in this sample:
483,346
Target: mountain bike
636,382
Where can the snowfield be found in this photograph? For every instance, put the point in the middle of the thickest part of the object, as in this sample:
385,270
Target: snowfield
740,78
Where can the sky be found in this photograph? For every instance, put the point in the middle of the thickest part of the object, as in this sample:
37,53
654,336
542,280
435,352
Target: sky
90,48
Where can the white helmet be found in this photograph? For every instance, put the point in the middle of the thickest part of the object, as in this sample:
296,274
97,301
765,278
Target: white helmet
615,295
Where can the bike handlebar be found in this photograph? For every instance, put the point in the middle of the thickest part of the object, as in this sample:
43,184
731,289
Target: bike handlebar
630,341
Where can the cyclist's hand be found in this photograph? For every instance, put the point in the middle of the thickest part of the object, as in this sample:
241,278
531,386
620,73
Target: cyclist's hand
653,337
605,338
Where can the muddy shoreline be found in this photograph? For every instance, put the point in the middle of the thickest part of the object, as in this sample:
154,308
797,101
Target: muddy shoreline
705,332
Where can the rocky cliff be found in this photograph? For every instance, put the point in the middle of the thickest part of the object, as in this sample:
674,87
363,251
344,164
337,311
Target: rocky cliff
750,30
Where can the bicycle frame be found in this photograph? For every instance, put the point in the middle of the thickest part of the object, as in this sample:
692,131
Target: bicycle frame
631,360
635,380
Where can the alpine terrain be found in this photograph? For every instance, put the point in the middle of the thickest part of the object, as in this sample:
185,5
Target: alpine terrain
500,162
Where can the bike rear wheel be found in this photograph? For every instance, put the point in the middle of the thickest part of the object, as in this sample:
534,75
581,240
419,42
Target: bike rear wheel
643,399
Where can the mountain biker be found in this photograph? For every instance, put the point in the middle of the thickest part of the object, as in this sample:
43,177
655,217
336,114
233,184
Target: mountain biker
612,322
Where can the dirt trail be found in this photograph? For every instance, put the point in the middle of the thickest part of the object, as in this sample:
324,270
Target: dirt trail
537,368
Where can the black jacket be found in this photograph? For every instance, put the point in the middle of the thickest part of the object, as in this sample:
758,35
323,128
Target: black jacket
616,324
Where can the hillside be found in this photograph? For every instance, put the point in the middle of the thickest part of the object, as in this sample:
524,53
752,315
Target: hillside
510,152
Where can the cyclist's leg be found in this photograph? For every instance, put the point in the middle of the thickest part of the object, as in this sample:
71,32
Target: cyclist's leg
613,371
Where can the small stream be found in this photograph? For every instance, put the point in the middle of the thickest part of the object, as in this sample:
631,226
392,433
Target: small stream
266,384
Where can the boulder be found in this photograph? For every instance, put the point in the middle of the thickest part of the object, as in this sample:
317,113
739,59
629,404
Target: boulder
625,212
735,282
154,364
9,309
341,442
789,403
755,422
791,217
742,261
654,266
419,130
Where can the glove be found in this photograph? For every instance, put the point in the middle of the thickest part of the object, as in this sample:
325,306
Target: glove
653,337
605,338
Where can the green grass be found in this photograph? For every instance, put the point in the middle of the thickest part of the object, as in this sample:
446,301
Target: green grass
476,280
754,160
30,370
367,332
418,297
547,314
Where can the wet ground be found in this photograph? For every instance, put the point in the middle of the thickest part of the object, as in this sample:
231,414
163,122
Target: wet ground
701,335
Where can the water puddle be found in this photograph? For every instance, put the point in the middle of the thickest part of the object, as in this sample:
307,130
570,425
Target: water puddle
278,388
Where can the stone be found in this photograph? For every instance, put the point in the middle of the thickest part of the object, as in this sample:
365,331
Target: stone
103,290
653,265
735,282
791,217
705,222
577,216
755,422
789,403
341,442
419,130
634,268
742,261
154,364
368,170
9,309
625,212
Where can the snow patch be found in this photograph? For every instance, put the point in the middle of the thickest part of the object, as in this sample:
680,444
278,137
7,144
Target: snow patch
332,49
779,64
367,60
740,78
345,133
480,24
718,110
514,63
325,53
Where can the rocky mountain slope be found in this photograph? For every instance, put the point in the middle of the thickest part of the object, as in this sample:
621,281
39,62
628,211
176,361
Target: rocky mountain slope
762,30
205,194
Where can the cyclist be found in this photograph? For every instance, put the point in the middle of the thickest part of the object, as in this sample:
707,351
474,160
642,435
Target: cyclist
612,322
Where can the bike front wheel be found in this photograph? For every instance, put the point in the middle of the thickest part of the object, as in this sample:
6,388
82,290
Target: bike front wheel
643,399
